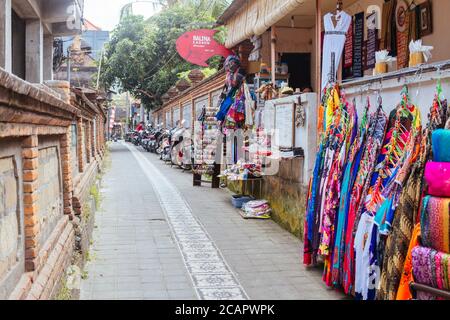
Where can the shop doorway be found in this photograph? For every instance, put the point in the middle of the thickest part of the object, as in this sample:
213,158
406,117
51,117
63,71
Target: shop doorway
299,69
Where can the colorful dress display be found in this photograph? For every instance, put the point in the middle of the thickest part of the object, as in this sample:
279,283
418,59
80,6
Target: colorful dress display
365,194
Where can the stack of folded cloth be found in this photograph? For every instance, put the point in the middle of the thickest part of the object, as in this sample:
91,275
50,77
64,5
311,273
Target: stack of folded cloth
430,268
431,259
257,209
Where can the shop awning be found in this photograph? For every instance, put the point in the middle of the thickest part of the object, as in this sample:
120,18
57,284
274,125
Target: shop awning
245,19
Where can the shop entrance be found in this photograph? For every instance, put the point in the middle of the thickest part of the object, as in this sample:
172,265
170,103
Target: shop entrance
299,69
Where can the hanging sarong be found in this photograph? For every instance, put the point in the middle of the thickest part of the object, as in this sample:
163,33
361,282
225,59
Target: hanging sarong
398,241
404,293
377,127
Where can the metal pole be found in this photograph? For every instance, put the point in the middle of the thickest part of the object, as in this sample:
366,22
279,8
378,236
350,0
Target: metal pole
99,69
69,65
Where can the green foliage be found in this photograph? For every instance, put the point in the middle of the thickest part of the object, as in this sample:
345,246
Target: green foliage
64,293
96,195
141,57
208,72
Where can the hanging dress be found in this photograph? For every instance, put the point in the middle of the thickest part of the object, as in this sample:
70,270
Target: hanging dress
333,44
375,136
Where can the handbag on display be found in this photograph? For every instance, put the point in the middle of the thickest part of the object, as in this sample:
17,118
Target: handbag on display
437,177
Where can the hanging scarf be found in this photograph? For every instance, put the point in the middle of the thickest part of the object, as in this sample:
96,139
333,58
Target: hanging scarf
375,136
384,193
398,241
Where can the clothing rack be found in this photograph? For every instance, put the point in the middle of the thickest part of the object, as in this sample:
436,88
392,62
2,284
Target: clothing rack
429,72
414,287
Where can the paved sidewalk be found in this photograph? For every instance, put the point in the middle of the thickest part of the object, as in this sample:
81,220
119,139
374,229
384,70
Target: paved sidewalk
144,243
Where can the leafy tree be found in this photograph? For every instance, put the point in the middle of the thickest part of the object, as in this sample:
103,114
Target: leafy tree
141,57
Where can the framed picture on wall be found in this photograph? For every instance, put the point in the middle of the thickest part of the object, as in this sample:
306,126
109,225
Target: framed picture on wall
426,19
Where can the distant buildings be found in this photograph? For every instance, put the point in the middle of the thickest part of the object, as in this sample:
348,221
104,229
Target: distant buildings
85,51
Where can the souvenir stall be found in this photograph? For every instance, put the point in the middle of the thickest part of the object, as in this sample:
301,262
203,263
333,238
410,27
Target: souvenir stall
236,120
372,163
206,143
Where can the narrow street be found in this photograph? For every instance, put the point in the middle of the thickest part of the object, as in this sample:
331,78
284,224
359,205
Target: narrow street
157,237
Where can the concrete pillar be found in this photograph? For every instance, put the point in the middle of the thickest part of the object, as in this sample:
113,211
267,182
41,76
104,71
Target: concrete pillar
48,57
34,52
5,35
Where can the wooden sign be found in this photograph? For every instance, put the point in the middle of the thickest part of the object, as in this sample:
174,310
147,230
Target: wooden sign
402,21
348,48
372,36
358,45
285,124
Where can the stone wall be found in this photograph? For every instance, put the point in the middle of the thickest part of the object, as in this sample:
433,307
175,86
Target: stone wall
284,191
12,258
50,193
42,168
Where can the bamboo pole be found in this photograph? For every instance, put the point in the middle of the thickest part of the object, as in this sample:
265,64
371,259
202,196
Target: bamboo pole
318,50
273,52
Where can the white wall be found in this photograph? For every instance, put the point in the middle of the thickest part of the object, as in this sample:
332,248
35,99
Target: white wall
422,89
305,137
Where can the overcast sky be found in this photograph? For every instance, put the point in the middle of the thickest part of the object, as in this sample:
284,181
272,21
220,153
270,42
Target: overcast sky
106,13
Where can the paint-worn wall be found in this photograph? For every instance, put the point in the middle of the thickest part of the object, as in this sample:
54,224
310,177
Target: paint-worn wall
12,258
50,196
285,192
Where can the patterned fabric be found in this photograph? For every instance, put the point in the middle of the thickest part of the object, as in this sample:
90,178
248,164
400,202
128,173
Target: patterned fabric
404,293
321,205
375,137
441,143
387,183
435,224
430,268
398,241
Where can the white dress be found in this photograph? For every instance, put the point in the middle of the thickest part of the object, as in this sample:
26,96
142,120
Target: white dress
362,255
334,42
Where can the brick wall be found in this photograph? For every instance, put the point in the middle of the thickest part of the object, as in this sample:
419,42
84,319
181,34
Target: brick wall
40,155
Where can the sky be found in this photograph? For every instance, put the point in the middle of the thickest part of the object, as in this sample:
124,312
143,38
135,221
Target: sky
106,13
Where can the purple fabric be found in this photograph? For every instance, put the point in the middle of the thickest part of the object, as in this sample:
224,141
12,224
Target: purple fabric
430,268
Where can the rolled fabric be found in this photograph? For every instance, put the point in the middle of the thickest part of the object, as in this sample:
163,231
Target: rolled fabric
441,143
437,177
430,268
435,223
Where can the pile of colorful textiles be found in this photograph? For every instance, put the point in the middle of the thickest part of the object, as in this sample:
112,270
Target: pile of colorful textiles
365,178
435,223
430,268
397,263
431,255
243,171
257,209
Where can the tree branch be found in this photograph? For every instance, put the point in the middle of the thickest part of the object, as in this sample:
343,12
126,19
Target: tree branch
146,93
